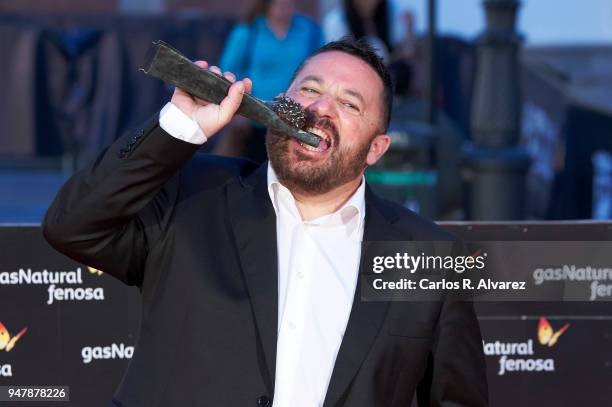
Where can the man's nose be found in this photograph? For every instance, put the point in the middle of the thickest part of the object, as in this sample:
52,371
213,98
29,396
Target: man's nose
323,106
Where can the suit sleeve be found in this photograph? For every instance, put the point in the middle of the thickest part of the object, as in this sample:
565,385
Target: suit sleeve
109,214
456,374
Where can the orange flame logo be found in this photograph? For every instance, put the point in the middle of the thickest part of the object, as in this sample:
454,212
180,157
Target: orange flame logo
6,342
546,334
94,271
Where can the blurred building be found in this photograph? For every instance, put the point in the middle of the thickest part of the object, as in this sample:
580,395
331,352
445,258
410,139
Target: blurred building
73,85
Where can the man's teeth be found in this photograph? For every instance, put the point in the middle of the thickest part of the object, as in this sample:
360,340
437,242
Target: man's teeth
307,147
319,133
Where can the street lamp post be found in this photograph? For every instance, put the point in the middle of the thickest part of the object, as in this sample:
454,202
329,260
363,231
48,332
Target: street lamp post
496,163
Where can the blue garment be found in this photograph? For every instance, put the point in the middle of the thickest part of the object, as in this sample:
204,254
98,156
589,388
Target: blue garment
253,50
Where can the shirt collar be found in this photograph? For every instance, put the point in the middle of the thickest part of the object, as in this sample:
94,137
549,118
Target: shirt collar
351,214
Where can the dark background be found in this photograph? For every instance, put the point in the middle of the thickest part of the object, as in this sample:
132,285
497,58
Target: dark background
49,353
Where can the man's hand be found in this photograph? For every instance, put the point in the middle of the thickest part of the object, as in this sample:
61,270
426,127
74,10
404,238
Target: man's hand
211,117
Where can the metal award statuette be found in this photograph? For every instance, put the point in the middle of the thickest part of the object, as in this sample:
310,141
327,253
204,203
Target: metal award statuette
283,115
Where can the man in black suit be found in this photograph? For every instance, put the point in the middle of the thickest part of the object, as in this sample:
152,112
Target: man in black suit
249,275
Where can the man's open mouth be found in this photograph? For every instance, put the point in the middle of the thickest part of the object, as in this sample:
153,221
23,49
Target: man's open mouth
324,144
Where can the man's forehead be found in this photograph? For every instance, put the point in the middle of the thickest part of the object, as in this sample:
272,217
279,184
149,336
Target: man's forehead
333,65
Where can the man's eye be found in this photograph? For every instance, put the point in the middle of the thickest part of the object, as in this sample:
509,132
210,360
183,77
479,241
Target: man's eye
310,90
351,106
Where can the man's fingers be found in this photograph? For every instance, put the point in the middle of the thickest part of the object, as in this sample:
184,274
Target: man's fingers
232,101
230,76
209,116
248,85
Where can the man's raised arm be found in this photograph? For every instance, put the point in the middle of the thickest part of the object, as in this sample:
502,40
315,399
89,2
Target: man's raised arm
108,214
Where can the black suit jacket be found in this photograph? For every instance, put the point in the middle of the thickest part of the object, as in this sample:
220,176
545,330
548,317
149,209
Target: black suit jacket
198,237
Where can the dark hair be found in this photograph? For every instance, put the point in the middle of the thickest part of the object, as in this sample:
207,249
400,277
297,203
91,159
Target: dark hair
362,50
254,9
380,18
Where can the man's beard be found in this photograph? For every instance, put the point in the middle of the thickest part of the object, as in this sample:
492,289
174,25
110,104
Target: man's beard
309,177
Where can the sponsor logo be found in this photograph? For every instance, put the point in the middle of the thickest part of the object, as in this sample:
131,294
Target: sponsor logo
521,356
600,278
62,285
95,271
43,277
74,294
114,351
6,341
546,335
6,371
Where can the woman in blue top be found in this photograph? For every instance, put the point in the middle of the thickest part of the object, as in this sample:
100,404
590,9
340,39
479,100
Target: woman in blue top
267,46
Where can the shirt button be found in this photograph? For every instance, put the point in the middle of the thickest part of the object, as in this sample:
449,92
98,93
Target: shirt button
292,326
263,401
300,275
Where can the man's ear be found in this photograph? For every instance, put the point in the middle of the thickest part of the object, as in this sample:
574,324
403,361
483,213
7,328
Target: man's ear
380,144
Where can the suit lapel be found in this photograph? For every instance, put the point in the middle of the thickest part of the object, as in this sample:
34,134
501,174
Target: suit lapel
254,226
366,318
253,223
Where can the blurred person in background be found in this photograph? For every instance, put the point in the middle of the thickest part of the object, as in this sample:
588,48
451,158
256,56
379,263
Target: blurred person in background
388,25
267,46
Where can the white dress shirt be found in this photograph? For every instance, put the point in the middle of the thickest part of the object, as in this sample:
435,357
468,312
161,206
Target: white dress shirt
179,125
318,264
